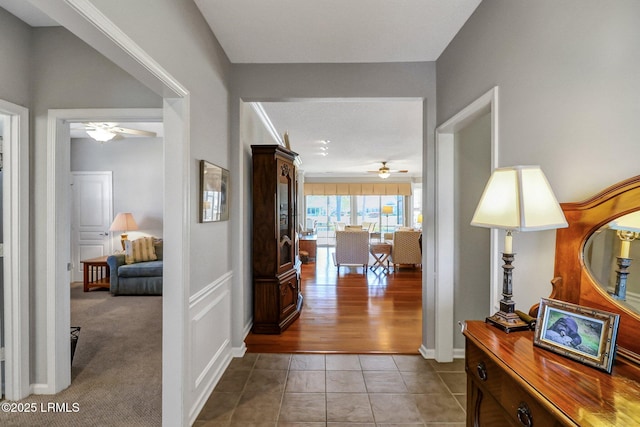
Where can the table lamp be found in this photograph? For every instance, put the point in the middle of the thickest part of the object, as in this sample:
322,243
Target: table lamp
628,230
124,222
516,198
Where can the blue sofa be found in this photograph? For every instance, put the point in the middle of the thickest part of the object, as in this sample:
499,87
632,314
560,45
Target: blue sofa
140,278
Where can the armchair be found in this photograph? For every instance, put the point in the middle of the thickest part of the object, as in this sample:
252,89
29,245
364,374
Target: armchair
352,247
406,248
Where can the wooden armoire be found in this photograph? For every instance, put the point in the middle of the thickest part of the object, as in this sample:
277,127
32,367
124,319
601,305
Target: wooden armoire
276,279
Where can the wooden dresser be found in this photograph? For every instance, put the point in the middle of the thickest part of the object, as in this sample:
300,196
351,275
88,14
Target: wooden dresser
511,382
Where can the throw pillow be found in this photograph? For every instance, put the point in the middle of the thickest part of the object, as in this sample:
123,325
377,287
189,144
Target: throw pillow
139,250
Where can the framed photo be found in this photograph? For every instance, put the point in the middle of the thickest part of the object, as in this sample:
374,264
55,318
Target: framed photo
585,334
214,188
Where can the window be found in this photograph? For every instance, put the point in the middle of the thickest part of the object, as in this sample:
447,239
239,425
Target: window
327,210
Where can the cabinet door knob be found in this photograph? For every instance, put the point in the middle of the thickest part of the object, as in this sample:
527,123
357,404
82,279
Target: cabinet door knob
482,371
524,415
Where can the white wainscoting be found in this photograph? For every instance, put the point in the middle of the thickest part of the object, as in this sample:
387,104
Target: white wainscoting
209,341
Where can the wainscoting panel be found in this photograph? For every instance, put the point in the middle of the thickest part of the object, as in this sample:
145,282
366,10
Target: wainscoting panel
210,340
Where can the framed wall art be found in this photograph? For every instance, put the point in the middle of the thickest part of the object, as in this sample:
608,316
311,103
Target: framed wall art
214,192
585,334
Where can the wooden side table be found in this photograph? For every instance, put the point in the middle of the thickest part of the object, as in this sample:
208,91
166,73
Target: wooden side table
309,244
381,253
96,273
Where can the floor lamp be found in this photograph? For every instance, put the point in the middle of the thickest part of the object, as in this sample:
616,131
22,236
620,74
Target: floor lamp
517,198
387,210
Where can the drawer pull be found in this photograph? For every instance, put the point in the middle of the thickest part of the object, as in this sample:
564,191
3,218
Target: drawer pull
482,371
524,415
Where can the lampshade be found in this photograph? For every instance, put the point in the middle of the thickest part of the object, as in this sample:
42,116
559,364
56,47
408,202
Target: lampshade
387,210
384,174
519,198
628,222
124,222
419,218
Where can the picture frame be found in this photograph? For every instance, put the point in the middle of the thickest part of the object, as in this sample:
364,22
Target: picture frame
585,334
214,193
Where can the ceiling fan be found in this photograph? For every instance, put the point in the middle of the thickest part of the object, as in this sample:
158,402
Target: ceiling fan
384,172
107,131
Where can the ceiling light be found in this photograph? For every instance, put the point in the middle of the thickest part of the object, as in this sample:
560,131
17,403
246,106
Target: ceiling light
384,174
102,135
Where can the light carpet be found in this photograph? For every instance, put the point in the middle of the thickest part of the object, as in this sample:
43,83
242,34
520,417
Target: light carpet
116,375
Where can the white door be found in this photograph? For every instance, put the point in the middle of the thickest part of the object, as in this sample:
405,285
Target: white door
91,214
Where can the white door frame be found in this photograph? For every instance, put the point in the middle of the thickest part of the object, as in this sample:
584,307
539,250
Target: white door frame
445,207
59,231
16,250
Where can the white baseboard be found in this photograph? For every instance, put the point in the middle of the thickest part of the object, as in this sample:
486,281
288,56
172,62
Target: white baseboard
430,353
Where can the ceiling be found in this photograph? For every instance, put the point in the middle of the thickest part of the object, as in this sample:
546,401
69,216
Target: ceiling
311,31
362,134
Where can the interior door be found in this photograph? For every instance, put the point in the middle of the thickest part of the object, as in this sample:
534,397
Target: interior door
91,214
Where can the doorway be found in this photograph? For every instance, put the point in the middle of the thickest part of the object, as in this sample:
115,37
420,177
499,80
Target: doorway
15,238
59,246
446,213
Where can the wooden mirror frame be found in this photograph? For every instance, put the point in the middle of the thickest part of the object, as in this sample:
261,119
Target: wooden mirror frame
576,284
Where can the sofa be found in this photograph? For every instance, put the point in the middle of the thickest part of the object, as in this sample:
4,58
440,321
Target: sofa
129,276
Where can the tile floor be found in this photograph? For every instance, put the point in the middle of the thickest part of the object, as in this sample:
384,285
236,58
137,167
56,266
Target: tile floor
309,390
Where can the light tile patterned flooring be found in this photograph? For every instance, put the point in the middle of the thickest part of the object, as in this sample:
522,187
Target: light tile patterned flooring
313,390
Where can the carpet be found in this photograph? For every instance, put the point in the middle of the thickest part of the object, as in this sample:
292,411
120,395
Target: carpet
116,375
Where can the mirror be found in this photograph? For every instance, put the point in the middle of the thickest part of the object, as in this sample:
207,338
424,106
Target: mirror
586,259
608,255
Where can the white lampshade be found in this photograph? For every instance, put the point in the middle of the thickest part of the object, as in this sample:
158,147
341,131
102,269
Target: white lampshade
628,222
124,222
519,198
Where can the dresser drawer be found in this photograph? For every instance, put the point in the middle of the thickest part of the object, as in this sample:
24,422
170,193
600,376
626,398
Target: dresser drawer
495,385
483,370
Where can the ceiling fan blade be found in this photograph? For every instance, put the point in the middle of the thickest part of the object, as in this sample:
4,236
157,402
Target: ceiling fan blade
128,131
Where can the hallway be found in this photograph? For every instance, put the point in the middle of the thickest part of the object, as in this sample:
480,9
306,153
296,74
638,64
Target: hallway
348,312
313,390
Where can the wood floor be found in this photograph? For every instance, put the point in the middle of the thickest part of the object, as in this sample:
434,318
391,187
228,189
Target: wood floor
348,312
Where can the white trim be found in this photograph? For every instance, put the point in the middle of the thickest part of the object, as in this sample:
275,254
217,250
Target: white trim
266,121
212,287
177,216
15,221
93,15
58,231
445,206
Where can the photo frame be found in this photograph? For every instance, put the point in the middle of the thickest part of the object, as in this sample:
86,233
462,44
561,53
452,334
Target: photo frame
214,192
581,333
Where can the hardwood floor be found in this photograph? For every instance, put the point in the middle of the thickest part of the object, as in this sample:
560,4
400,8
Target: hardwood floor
346,312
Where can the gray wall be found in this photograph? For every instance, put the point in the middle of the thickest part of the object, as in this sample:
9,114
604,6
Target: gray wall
66,73
15,39
569,90
137,167
472,278
179,39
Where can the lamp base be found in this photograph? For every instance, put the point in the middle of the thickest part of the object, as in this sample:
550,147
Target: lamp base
508,322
